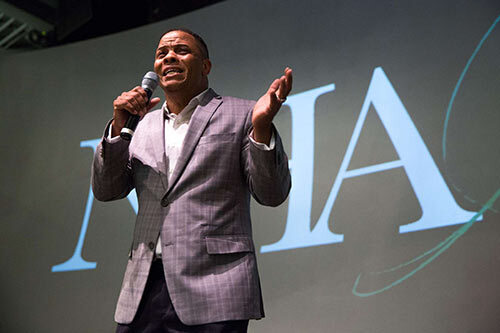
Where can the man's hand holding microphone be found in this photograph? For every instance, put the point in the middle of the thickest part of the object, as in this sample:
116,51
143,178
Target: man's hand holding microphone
131,105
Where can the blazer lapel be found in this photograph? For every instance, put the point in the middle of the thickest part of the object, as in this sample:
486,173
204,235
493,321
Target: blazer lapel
199,120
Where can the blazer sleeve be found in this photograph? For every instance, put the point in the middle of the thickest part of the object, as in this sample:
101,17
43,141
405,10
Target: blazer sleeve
266,171
111,175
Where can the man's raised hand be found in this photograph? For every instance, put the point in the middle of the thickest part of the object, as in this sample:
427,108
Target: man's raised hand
268,106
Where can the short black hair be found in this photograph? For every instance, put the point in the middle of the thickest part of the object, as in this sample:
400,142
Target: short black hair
201,42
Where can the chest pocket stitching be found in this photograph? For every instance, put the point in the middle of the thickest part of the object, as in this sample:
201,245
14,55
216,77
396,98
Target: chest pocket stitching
217,138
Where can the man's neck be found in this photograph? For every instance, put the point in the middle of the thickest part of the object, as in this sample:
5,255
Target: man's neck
177,101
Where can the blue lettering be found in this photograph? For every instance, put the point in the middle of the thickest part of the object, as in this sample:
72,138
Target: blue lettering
298,226
439,208
76,262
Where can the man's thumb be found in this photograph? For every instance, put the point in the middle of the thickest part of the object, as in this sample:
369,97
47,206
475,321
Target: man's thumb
153,102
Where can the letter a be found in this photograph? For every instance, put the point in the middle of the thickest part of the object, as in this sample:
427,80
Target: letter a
439,208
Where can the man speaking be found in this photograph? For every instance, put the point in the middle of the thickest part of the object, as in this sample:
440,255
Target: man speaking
194,164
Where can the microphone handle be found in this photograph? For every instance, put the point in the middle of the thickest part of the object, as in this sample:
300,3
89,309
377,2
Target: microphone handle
128,130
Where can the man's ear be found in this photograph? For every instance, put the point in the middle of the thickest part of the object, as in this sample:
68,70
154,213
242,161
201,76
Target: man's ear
207,65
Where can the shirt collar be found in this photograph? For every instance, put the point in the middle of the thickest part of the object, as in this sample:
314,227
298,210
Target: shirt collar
185,114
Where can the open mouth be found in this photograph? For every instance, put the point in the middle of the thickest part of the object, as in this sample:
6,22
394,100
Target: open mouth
172,71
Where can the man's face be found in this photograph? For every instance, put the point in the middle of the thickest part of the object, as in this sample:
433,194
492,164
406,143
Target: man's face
179,63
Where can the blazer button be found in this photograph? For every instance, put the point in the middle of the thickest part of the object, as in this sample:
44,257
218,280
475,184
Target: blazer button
151,245
164,202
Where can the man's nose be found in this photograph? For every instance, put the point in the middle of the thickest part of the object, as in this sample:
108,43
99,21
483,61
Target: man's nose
171,57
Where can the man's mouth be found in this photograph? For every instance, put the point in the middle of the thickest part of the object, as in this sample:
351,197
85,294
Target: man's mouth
172,71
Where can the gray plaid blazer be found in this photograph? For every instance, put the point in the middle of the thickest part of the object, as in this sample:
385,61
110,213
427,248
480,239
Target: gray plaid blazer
202,212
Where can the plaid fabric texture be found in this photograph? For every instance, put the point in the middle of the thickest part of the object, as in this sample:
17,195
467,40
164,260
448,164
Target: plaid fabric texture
202,212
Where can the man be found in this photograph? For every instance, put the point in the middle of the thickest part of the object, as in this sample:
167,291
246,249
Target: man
194,164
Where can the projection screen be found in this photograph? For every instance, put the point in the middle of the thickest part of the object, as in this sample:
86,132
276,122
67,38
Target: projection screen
393,220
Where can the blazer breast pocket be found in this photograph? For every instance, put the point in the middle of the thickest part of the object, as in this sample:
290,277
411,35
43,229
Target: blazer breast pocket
217,138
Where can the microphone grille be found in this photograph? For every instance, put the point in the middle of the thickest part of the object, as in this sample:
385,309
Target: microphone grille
150,81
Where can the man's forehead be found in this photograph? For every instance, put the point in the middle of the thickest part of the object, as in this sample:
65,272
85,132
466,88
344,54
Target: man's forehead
176,37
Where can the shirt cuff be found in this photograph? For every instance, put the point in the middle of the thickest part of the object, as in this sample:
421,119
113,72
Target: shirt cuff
109,138
260,145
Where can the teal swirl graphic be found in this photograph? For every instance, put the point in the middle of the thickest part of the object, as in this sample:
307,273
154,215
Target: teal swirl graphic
429,256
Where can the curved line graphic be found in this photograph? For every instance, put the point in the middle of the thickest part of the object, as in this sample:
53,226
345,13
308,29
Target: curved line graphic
445,244
438,249
460,79
452,100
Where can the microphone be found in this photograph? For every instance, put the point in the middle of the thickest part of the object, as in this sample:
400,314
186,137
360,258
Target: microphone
149,84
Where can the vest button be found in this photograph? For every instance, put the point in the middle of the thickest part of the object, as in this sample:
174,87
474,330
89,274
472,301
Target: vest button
151,245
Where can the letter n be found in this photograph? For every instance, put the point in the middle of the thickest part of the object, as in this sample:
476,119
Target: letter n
76,262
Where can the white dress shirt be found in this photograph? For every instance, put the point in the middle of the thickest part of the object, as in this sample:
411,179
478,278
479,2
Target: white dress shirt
176,127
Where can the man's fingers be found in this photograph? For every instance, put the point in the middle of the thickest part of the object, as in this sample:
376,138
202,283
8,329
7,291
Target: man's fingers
120,104
288,79
138,102
282,90
141,91
126,104
136,106
129,107
133,101
138,98
153,103
274,87
141,99
281,87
